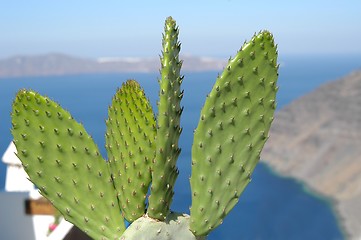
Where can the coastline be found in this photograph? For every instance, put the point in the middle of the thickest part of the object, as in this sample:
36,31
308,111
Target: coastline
307,189
315,139
56,64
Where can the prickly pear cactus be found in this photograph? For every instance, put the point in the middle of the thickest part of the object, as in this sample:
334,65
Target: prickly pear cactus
232,130
64,162
164,170
130,143
175,227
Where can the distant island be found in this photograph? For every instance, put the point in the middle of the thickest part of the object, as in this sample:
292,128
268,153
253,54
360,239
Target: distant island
317,140
60,64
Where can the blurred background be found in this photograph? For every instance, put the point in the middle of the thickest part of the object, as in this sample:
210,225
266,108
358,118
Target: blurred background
308,185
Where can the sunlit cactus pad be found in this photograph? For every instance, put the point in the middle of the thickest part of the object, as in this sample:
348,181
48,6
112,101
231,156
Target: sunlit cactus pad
232,130
63,161
130,143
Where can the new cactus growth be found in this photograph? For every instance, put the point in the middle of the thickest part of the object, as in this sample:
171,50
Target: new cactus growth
97,195
164,171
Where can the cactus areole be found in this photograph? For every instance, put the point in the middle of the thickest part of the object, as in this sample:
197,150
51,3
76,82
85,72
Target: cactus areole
63,161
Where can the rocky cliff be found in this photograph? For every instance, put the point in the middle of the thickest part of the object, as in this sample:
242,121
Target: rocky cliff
317,139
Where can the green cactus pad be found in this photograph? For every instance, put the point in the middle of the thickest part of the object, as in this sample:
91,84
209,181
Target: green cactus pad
131,148
232,130
63,161
175,227
164,171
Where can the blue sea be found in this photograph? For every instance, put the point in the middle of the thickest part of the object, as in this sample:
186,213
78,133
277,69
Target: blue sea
272,207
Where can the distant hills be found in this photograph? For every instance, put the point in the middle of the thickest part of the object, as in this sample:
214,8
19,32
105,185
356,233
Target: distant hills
60,64
317,139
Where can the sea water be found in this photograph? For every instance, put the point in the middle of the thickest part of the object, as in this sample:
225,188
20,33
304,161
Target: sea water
271,207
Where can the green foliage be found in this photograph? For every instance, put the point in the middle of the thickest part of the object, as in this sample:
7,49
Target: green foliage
64,162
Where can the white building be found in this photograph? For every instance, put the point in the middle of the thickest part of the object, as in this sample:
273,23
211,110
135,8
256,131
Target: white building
15,223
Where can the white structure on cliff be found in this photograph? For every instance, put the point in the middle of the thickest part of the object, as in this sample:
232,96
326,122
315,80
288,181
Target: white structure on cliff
16,223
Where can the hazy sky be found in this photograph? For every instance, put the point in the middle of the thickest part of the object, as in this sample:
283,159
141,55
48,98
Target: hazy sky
208,28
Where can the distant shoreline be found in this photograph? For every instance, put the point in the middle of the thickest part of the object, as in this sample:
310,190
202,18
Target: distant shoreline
330,202
311,135
60,64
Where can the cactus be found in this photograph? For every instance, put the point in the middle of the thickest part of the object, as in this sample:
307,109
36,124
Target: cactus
164,171
63,161
175,227
130,145
232,130
96,195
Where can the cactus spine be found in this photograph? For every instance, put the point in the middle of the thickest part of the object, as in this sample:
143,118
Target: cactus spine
64,162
